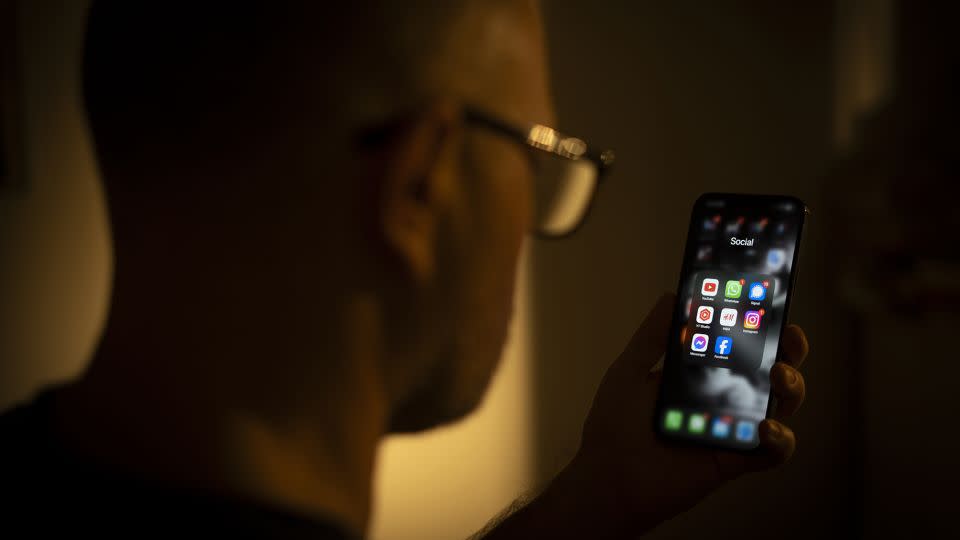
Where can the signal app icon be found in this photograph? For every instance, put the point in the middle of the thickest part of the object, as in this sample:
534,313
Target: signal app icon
710,287
699,342
705,315
757,291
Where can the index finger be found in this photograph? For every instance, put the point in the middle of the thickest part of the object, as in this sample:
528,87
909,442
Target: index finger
794,346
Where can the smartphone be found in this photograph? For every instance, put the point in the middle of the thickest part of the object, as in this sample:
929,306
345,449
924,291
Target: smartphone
737,280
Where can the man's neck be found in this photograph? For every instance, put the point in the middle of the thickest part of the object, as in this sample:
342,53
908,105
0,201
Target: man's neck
307,446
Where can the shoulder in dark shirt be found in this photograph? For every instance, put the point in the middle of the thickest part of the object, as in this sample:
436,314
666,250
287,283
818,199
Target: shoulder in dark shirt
50,489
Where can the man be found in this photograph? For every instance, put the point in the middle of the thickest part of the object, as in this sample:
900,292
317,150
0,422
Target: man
317,212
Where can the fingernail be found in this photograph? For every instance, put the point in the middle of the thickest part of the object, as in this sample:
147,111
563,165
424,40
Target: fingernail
774,431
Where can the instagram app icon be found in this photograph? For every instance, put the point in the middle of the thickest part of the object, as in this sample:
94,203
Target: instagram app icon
751,320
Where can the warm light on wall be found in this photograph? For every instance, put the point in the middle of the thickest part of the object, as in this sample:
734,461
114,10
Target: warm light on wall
55,272
449,482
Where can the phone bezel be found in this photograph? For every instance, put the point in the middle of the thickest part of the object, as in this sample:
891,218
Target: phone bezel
731,199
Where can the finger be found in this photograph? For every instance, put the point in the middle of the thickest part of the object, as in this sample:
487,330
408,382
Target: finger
649,342
794,346
788,385
778,442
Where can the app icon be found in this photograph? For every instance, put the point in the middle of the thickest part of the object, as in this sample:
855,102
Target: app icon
759,226
673,420
723,346
733,289
745,431
776,258
710,287
710,223
699,343
705,315
721,427
733,227
697,423
751,320
728,317
757,291
704,252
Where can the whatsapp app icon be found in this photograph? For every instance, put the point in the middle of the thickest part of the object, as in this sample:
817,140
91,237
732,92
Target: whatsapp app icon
733,289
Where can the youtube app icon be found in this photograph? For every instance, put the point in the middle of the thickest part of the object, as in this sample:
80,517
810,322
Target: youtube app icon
710,287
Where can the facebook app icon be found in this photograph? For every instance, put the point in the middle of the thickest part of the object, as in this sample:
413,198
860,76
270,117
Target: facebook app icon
723,345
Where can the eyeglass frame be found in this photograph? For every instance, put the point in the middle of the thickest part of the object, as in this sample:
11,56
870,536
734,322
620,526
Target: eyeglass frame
533,137
546,139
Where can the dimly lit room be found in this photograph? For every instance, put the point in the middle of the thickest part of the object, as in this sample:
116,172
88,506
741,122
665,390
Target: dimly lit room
322,291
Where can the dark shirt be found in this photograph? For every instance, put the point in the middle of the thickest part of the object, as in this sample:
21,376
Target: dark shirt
49,489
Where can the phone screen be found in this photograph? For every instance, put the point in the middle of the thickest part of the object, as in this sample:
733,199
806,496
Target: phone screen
738,272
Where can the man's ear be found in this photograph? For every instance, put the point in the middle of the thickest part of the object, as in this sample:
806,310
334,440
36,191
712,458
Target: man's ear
411,201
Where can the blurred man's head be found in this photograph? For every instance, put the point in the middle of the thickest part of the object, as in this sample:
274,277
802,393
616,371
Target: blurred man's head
271,166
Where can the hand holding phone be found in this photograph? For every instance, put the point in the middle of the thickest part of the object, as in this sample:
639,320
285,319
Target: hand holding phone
626,477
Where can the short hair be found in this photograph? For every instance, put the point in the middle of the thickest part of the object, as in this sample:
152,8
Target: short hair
175,75
169,71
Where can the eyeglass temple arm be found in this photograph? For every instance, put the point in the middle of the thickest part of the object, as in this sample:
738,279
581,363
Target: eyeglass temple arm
533,137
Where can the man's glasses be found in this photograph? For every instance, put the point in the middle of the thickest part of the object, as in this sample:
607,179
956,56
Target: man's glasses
567,172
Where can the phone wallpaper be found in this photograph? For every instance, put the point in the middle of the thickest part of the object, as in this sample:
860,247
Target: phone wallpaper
733,297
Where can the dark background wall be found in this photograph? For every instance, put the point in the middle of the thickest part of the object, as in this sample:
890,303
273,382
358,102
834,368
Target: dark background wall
769,98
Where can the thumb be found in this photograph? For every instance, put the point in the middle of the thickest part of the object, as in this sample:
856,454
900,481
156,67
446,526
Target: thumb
649,342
